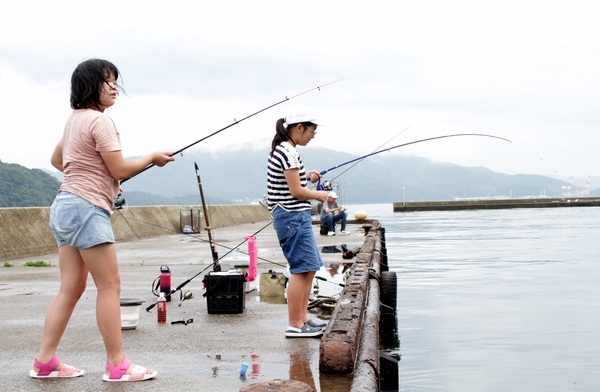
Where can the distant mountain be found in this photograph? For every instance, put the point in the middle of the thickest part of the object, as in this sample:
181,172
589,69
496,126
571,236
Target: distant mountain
23,187
239,176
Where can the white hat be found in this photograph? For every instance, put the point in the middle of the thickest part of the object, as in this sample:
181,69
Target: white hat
300,114
333,195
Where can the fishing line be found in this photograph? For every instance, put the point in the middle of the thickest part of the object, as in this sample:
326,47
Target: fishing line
320,186
194,238
234,123
536,155
378,148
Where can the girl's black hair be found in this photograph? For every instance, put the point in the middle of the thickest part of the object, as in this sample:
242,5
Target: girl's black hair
87,82
282,133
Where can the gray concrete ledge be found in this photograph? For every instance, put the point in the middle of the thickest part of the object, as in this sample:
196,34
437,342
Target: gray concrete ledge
25,231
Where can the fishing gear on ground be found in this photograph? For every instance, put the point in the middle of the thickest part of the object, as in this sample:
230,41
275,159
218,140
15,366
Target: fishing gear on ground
178,288
321,186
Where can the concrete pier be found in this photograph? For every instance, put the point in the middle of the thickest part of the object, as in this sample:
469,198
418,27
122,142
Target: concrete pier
205,354
495,204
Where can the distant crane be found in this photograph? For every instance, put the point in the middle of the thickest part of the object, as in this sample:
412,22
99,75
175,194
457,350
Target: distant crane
567,188
584,190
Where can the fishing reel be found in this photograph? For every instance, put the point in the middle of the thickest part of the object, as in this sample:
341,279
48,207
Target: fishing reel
119,202
325,186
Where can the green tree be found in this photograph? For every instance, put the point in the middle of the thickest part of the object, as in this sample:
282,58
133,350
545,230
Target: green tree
23,187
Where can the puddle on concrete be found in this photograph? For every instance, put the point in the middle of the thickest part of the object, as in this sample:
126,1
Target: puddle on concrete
298,365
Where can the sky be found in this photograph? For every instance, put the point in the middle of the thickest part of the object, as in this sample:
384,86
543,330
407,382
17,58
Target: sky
526,71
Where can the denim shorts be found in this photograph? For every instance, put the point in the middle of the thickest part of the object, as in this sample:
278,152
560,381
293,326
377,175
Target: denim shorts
79,224
297,240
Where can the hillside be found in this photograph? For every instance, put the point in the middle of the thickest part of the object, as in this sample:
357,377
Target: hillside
23,187
239,177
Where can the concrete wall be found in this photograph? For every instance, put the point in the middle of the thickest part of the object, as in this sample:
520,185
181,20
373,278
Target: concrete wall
24,232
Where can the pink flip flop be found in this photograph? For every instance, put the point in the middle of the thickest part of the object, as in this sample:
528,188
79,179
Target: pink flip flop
48,370
117,373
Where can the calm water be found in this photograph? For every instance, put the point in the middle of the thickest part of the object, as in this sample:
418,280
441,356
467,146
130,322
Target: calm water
504,300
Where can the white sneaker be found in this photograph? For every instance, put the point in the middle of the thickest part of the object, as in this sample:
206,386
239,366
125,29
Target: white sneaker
344,232
331,233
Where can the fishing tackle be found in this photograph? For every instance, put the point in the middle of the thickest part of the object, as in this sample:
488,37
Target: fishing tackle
184,297
119,202
234,123
183,321
321,187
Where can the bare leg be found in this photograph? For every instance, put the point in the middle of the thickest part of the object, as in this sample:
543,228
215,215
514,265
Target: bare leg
298,293
101,261
73,277
307,290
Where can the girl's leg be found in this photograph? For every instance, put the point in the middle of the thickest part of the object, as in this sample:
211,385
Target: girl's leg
298,293
307,289
73,278
101,261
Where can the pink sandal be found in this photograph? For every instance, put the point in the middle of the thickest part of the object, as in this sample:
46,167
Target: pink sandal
117,373
48,370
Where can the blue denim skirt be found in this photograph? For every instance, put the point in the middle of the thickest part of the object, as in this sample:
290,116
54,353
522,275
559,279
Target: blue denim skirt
79,224
297,240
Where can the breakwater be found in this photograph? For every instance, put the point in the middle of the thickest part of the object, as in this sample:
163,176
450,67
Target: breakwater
24,232
495,204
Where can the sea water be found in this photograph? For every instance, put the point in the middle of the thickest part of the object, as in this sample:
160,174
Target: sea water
495,300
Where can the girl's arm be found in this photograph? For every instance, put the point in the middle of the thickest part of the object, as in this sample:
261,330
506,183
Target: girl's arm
57,160
120,168
292,177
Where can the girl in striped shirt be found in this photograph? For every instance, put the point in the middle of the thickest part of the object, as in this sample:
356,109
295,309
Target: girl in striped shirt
289,200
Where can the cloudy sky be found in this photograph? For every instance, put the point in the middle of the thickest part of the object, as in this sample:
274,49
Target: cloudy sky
527,71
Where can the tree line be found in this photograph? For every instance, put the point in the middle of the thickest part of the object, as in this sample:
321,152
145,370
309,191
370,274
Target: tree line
23,187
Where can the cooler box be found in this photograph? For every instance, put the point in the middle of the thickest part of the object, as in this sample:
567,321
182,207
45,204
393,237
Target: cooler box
225,292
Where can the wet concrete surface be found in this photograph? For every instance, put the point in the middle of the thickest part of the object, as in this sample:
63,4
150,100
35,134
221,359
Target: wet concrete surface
205,355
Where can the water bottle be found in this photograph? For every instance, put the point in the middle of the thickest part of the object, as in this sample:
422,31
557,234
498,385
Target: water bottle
165,282
161,305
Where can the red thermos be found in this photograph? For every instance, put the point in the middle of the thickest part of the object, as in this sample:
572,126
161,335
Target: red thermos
165,282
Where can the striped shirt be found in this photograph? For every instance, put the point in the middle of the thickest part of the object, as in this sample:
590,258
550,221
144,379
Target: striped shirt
284,157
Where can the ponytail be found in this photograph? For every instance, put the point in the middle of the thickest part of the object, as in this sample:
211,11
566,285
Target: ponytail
281,134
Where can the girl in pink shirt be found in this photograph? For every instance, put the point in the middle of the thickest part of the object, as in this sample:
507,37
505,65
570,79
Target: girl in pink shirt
89,154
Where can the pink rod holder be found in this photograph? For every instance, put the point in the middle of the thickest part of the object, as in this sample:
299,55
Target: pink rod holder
252,251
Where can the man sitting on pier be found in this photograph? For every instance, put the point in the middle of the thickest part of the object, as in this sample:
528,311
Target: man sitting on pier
331,213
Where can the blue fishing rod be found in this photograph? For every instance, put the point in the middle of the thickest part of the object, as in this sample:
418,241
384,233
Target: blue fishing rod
326,186
234,123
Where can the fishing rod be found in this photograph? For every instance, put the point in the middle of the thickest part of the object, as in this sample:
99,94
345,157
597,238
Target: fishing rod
321,187
234,123
213,247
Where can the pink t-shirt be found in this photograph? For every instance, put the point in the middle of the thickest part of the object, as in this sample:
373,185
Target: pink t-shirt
87,133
